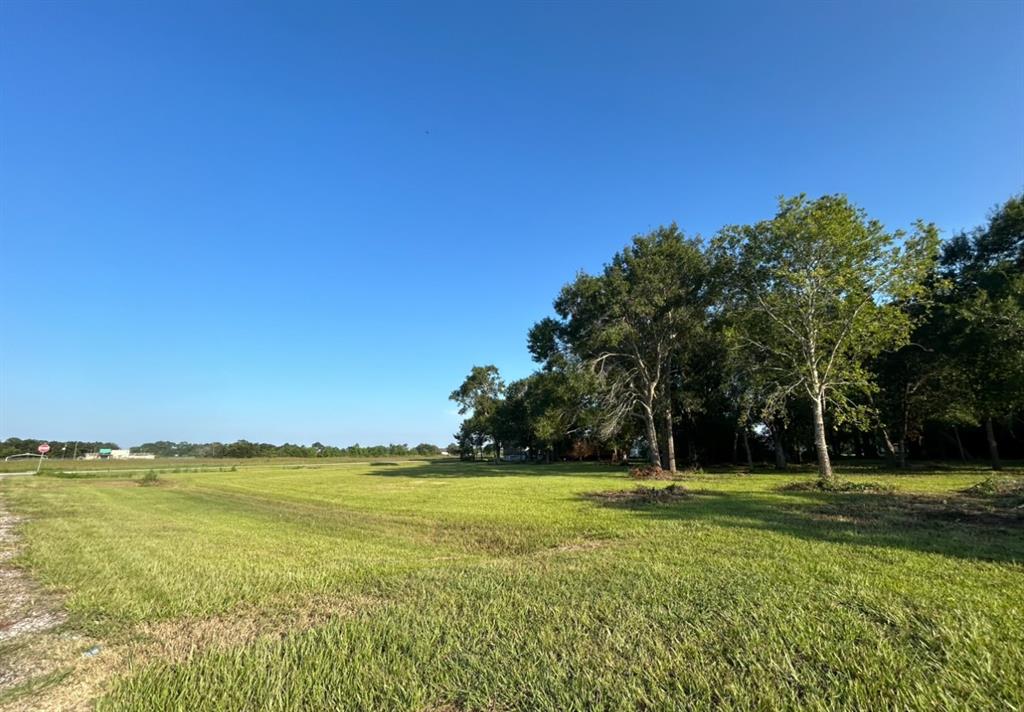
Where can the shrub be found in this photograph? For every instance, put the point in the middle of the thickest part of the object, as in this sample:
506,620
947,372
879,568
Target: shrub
997,487
150,478
1006,491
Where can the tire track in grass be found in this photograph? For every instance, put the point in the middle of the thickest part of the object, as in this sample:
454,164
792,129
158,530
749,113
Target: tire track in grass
29,618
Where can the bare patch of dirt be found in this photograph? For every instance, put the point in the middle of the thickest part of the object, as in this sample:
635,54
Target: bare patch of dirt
25,609
28,615
836,486
92,665
920,510
581,545
641,495
649,472
179,640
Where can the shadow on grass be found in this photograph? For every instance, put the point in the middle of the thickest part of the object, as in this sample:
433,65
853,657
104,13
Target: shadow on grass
454,468
952,525
444,469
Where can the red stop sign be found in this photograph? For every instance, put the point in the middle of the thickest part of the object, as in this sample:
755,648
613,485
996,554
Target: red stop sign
44,448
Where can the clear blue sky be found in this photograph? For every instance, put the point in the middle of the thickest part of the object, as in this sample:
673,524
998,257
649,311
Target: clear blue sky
299,221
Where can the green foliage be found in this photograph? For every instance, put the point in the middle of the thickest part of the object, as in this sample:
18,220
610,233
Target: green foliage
480,395
1008,489
633,326
814,293
58,448
982,318
243,449
817,329
480,392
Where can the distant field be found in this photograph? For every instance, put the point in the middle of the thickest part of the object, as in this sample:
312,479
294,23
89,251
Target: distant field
418,585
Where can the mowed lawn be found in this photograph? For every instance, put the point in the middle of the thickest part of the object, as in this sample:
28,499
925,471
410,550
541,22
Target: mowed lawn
454,586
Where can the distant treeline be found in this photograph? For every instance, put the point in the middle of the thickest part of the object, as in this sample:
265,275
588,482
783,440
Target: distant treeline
238,449
244,448
58,448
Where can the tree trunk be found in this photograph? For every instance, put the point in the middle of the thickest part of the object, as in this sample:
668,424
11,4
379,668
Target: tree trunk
735,446
652,435
670,443
746,449
959,444
780,449
904,432
820,441
890,449
993,446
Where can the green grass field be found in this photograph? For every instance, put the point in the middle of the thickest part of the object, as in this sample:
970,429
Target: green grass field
453,586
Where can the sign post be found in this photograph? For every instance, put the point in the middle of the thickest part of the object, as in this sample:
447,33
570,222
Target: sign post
43,449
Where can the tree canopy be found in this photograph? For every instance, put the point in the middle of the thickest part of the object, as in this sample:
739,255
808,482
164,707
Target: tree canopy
815,330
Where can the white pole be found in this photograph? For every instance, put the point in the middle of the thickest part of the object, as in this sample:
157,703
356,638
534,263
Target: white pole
40,463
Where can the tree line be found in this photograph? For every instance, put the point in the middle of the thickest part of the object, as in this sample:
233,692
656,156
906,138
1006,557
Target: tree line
237,449
246,449
812,334
58,448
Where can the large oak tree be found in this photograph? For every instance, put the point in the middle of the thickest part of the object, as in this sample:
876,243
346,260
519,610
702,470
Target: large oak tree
633,323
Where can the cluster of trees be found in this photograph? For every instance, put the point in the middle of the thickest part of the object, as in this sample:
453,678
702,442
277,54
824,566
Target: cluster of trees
815,333
58,448
238,449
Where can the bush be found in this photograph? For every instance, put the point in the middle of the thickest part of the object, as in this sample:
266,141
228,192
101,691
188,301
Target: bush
997,487
1006,491
150,478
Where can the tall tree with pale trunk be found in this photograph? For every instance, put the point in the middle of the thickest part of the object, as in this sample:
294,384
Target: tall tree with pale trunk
813,293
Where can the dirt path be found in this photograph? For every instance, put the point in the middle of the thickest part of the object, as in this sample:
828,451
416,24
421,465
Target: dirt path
35,654
23,609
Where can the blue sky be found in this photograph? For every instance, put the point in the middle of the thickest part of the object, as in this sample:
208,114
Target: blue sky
300,221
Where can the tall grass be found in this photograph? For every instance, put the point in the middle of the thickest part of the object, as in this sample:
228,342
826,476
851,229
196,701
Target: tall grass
513,587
